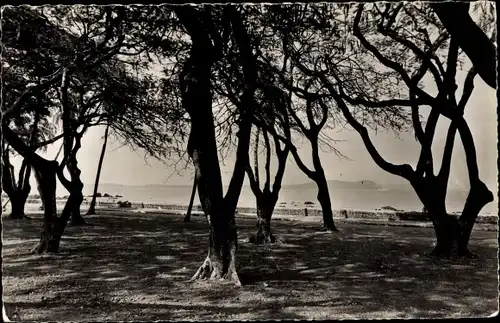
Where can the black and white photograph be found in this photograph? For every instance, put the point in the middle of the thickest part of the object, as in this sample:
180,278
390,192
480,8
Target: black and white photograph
249,161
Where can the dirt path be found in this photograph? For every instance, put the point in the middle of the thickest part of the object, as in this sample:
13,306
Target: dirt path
130,266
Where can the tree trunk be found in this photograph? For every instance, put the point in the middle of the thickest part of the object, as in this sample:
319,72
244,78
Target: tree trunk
73,203
326,204
432,192
221,259
265,208
195,85
445,228
187,218
74,185
91,210
479,196
18,203
75,188
76,217
197,99
452,234
18,193
46,178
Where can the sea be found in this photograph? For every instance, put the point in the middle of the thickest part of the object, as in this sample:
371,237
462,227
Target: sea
297,196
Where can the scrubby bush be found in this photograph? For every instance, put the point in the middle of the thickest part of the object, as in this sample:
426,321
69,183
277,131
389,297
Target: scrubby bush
308,202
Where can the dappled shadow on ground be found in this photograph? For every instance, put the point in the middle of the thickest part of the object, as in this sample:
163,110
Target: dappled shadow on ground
128,266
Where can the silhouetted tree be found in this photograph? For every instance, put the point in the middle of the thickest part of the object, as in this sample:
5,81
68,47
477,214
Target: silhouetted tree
35,136
266,197
208,38
452,234
98,175
47,52
18,193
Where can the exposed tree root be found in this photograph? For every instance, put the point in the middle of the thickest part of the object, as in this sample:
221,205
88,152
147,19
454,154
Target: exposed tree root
38,249
209,270
328,229
41,248
46,245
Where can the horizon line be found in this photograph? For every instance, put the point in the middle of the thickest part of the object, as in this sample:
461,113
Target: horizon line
383,186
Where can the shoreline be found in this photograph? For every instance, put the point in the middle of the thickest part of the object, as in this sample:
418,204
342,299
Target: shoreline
305,211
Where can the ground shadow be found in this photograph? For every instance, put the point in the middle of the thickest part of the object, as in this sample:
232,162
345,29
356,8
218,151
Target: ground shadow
132,266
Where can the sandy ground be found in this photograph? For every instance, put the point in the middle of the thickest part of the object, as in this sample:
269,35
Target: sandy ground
133,266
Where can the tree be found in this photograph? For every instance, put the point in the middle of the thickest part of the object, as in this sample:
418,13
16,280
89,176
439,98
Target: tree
45,49
71,144
309,112
91,210
207,41
18,192
45,172
312,131
270,118
267,197
268,111
452,234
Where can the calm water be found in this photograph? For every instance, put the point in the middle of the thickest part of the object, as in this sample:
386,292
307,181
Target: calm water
356,199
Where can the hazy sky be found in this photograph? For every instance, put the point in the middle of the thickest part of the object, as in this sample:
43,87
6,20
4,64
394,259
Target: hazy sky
123,166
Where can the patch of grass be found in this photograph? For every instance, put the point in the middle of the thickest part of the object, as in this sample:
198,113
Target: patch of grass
129,266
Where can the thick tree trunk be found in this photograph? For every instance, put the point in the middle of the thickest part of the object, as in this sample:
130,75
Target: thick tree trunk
75,188
220,262
432,192
91,210
452,234
479,196
46,178
69,208
265,208
75,185
326,204
195,84
187,218
221,259
76,217
445,228
53,226
18,203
